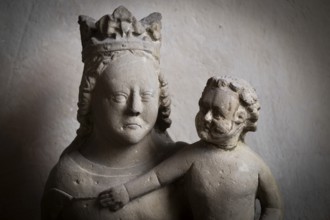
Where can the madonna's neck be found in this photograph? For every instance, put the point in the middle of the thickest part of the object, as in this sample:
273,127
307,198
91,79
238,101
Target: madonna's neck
120,155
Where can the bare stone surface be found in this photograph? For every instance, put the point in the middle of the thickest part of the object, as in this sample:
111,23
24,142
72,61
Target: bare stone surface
282,47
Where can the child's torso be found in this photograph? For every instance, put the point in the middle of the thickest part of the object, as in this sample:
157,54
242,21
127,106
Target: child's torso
222,184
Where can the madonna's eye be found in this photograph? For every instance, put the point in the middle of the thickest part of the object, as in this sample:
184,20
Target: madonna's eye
146,96
119,97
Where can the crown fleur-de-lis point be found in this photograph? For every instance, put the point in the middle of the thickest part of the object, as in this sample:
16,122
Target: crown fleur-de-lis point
111,28
125,28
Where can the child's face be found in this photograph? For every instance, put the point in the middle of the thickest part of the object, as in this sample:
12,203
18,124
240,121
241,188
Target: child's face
215,121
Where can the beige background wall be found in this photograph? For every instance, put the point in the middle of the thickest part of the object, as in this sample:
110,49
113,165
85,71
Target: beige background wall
281,47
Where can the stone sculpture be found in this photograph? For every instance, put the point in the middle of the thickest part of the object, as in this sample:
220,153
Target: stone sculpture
223,176
123,113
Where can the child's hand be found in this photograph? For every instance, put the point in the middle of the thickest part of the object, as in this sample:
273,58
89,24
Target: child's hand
114,198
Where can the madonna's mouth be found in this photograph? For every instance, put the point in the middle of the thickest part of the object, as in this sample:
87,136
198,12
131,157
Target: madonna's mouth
132,126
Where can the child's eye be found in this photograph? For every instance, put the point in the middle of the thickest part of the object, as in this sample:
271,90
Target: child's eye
203,109
217,114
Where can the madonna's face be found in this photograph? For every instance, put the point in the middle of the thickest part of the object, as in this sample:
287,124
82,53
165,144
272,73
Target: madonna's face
125,101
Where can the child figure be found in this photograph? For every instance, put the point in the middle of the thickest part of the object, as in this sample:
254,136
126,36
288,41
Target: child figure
223,176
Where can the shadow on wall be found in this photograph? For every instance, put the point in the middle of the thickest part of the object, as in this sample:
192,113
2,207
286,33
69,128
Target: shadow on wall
22,168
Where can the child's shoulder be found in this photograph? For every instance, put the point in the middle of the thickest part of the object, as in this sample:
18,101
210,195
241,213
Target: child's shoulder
252,157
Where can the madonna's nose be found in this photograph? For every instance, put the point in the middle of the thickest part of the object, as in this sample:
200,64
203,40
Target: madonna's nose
135,107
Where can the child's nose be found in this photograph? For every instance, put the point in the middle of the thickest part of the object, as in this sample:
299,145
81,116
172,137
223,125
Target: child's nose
208,116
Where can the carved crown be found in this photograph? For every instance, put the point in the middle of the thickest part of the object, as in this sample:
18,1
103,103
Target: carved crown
120,31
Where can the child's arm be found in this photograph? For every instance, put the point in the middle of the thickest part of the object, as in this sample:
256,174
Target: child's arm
268,195
163,174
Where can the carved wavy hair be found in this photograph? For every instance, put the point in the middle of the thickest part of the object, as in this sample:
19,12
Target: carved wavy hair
247,97
94,67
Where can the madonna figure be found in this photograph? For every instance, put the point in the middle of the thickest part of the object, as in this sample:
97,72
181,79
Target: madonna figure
124,110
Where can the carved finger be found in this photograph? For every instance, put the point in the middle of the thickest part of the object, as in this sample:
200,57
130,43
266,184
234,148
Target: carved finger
106,202
115,207
105,194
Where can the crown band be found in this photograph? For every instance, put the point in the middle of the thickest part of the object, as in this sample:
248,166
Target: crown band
106,48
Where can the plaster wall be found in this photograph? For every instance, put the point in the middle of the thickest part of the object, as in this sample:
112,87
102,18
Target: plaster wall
282,47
